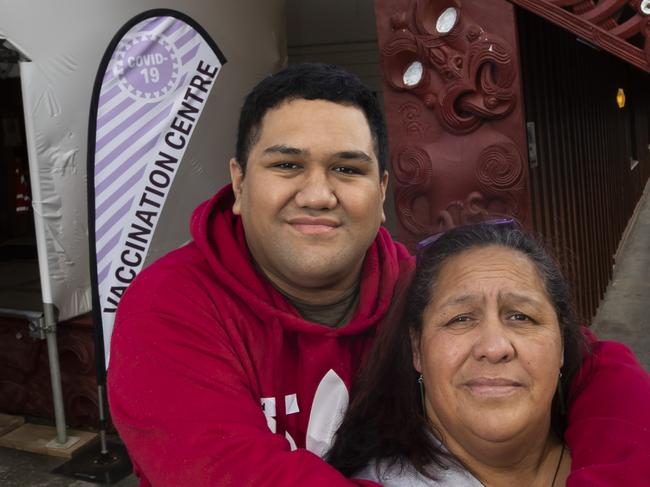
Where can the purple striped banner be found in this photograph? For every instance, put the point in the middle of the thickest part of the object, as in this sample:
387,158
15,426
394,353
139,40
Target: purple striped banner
150,92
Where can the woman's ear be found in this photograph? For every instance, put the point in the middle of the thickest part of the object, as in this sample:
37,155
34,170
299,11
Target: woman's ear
415,351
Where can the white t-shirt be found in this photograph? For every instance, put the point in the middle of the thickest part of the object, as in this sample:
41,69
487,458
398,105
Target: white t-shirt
408,476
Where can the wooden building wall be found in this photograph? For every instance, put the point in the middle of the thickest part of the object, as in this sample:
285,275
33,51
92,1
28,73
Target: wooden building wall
584,183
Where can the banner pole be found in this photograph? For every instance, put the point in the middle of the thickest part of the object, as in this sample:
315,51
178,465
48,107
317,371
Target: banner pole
151,86
101,395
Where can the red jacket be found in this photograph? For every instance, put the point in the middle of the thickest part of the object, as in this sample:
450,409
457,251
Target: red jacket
208,361
208,358
609,422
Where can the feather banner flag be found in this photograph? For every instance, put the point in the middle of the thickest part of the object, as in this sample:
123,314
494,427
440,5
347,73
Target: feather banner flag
152,85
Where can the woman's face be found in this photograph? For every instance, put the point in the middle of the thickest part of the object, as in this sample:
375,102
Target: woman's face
490,350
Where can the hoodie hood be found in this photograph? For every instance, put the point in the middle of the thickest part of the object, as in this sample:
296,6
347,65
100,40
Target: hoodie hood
219,235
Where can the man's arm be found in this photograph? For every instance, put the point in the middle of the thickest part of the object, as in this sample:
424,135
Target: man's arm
609,421
182,402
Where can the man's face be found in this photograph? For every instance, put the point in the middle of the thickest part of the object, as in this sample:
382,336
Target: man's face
311,201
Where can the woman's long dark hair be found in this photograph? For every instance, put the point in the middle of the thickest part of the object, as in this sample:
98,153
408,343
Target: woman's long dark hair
385,420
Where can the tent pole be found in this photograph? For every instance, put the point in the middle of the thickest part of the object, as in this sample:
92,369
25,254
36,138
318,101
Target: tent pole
29,72
55,372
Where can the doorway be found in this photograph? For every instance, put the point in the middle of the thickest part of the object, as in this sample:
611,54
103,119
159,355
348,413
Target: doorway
20,287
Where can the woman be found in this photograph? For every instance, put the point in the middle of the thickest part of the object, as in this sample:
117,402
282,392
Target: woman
466,389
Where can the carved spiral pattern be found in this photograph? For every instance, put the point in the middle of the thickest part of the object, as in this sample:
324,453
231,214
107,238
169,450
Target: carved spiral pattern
499,168
25,387
477,207
485,93
412,121
412,170
413,166
472,210
404,41
77,354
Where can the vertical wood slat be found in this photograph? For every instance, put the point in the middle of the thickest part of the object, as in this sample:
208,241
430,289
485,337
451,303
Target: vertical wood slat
583,191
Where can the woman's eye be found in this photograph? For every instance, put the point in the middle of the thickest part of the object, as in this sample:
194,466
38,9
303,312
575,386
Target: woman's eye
520,317
459,320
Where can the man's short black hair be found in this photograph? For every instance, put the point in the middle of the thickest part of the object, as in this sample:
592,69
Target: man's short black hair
309,81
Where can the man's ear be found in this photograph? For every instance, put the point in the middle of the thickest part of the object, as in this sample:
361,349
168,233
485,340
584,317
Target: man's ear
415,350
237,179
384,186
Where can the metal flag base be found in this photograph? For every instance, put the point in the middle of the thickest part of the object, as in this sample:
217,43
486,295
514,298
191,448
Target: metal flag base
100,468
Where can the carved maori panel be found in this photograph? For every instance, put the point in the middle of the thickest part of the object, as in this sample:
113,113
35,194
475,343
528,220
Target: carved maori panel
25,387
466,75
454,113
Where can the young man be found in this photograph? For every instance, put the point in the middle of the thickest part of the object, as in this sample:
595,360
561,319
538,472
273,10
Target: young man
232,356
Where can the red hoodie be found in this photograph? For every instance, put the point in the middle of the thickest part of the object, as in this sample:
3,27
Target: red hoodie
208,361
